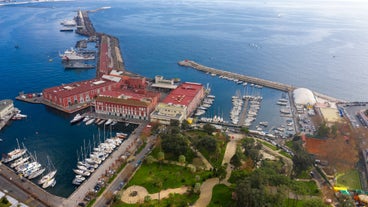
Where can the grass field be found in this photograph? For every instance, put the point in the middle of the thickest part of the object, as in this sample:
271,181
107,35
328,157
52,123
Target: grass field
221,197
173,200
349,180
155,177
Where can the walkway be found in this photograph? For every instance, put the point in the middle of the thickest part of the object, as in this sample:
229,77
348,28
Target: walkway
136,194
206,192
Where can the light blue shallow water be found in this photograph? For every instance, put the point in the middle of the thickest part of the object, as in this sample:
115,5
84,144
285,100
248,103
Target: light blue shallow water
321,46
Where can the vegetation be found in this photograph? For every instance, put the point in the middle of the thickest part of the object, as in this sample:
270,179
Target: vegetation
221,196
4,202
349,180
301,160
176,200
155,177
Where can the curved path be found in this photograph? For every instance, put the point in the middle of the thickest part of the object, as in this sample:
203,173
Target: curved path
206,192
136,194
206,187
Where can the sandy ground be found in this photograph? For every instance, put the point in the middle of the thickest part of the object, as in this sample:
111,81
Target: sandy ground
206,192
142,193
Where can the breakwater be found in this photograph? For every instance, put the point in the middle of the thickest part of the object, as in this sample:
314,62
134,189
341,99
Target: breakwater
245,78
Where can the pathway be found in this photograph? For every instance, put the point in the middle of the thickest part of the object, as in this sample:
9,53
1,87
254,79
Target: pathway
136,194
206,192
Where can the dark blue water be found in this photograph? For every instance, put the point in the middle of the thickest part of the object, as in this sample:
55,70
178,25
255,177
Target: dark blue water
321,46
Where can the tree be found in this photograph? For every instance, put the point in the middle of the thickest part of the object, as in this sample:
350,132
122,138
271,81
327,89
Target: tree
323,130
182,159
334,130
209,128
235,160
174,122
248,196
245,130
150,159
197,188
161,156
207,143
301,161
185,125
174,144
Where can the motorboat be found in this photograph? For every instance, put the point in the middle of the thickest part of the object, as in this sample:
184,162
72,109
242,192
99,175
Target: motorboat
76,119
90,121
13,155
109,121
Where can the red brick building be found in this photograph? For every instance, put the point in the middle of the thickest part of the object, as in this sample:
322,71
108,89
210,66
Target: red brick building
137,104
67,95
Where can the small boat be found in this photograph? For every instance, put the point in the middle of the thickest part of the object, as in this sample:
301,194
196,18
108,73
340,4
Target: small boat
13,155
121,135
78,179
50,182
101,121
66,29
19,116
200,112
263,123
115,122
86,118
19,162
109,121
211,96
36,173
47,177
76,119
90,121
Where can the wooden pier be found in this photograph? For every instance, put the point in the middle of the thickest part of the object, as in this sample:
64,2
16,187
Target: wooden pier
245,78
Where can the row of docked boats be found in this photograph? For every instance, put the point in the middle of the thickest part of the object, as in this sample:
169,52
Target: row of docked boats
88,120
236,109
27,166
89,163
206,104
254,106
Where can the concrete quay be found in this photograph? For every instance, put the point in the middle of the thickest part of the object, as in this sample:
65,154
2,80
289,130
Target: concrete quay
84,24
26,191
248,79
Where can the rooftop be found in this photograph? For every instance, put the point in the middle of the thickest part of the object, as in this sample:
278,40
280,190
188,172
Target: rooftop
76,88
183,94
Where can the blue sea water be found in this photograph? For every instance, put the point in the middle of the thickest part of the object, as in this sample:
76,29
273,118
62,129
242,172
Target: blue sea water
319,45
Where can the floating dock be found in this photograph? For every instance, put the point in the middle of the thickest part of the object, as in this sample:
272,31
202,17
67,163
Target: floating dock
248,79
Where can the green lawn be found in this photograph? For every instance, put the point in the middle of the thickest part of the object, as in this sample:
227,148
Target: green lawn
221,197
173,200
306,188
151,176
273,147
350,180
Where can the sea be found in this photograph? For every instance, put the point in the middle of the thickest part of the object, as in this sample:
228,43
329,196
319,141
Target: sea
320,45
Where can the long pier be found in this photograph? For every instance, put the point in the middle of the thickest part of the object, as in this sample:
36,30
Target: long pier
245,78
